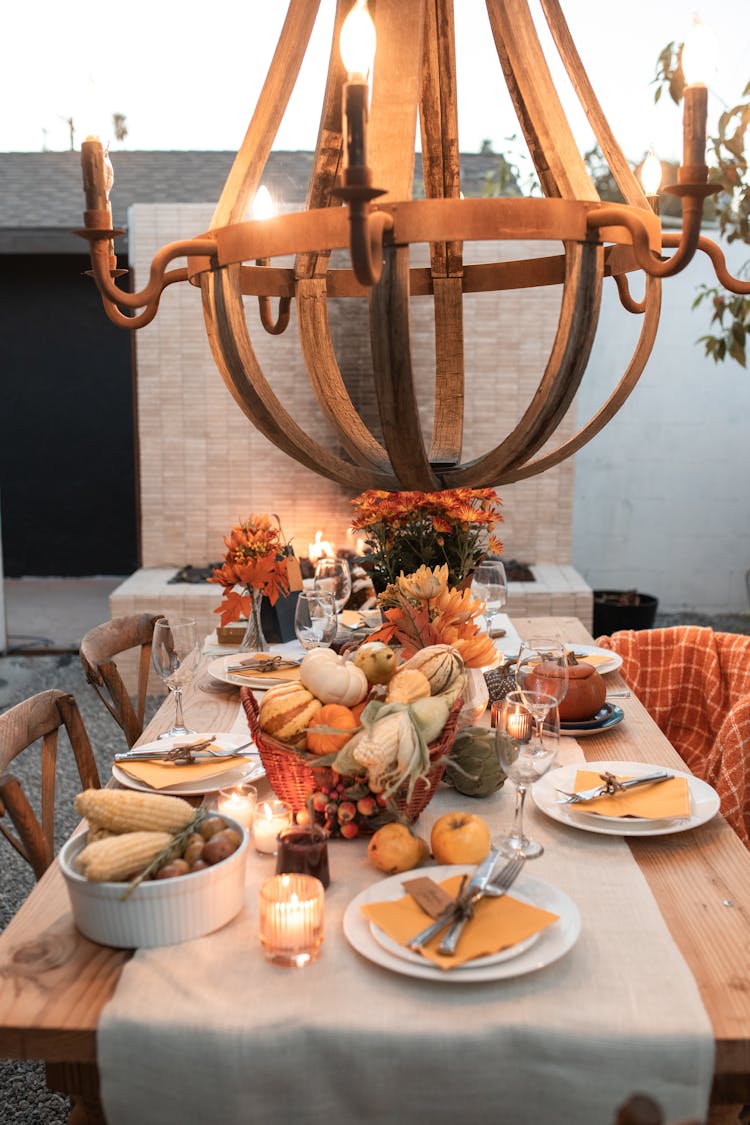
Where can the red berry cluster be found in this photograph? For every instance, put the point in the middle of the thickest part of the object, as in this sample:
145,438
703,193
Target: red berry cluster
347,809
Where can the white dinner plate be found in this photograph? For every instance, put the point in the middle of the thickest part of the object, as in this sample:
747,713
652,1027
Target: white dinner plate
611,664
553,942
218,669
247,770
391,946
704,802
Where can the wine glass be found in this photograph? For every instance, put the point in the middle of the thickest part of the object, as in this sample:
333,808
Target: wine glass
490,586
315,620
525,754
174,654
332,576
542,667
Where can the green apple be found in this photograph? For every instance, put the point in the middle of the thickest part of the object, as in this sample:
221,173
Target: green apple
377,660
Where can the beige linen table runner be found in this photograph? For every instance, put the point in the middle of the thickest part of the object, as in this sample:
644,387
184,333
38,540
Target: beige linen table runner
209,1032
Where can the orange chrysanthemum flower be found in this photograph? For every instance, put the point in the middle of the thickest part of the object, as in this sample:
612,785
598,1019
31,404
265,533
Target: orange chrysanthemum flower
255,560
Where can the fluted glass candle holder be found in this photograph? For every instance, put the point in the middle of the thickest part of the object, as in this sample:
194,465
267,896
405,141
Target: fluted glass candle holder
291,919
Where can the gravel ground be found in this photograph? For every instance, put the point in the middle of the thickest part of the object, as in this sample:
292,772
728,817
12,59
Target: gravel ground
24,1097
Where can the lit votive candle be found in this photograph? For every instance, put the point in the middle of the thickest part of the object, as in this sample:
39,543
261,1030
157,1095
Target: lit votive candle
239,803
270,818
291,919
518,725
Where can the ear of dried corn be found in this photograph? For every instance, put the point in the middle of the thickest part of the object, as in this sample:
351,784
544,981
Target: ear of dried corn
115,858
126,810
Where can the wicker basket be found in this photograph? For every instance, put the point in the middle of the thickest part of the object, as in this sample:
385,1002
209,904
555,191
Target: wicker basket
293,780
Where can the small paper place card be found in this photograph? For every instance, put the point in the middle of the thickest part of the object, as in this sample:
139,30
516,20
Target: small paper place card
429,895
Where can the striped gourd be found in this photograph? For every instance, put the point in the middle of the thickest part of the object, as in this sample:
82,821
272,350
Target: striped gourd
286,711
441,664
125,810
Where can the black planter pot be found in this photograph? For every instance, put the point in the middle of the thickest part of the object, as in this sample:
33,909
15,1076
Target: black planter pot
610,616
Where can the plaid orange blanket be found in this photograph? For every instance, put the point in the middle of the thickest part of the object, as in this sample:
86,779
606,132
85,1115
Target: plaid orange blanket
695,684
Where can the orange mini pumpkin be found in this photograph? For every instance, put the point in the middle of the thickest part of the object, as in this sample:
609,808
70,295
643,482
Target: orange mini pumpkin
331,715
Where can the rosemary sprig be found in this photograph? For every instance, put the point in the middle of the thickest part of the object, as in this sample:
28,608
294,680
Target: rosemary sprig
178,841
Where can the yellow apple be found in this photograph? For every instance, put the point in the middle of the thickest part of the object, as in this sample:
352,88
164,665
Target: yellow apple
460,837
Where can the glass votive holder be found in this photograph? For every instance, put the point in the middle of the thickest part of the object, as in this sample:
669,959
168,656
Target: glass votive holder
303,850
291,919
270,818
239,803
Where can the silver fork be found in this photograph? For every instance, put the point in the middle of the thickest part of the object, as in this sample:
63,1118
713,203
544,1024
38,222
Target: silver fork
496,888
603,790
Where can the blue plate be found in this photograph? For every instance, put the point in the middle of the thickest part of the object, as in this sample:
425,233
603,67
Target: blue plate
609,716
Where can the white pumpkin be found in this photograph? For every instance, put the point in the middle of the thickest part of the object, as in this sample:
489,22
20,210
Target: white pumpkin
332,679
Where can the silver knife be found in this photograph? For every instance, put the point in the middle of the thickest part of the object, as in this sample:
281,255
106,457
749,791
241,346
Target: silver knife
603,790
500,885
478,882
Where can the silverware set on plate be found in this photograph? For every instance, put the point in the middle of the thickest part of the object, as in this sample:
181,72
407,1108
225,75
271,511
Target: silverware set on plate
458,913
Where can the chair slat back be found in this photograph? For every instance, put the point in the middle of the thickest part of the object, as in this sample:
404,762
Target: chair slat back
21,727
99,648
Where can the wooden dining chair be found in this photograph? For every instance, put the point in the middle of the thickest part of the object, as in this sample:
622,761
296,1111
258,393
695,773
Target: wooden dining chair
98,649
695,684
40,717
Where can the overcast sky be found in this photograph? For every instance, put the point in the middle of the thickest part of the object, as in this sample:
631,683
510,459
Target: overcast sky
187,75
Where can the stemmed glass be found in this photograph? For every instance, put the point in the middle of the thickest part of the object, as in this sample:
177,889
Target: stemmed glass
174,654
490,585
332,576
542,667
525,756
315,620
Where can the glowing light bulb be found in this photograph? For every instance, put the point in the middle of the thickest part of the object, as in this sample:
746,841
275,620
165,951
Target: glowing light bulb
651,173
698,54
263,207
358,40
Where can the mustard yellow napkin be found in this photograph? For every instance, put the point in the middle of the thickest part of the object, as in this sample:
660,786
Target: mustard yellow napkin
278,675
350,618
163,775
666,800
594,658
497,924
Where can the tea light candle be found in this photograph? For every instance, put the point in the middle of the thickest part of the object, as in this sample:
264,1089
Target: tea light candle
270,818
291,919
239,803
519,725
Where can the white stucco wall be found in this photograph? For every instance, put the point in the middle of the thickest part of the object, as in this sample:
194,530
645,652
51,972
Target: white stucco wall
662,495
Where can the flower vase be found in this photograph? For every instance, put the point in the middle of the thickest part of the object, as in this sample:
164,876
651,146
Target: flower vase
253,640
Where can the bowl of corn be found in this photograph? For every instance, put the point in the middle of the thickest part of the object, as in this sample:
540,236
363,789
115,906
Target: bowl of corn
156,912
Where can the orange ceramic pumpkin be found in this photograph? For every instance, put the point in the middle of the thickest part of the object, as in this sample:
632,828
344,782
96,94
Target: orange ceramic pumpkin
586,692
331,715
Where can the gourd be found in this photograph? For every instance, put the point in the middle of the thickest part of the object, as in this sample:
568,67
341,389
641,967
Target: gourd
334,715
408,685
331,678
586,692
286,711
441,664
472,767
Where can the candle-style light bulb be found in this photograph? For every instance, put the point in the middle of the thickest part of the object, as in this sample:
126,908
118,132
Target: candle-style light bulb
263,207
698,55
651,173
357,42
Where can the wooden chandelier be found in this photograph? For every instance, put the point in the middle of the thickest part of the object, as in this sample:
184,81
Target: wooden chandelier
415,75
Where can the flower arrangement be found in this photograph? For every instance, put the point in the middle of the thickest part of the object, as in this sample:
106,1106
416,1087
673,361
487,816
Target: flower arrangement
405,530
256,561
422,609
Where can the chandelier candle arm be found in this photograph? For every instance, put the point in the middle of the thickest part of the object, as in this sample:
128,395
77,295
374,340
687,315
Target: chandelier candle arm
361,143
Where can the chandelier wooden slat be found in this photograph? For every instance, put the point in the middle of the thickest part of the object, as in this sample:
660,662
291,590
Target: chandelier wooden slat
359,200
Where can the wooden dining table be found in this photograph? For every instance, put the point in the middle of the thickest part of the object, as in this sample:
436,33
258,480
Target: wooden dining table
56,982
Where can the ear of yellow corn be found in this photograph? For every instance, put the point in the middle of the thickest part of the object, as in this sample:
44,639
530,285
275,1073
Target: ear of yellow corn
115,858
126,810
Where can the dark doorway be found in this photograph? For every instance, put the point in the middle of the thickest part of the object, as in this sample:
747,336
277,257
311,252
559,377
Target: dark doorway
67,463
